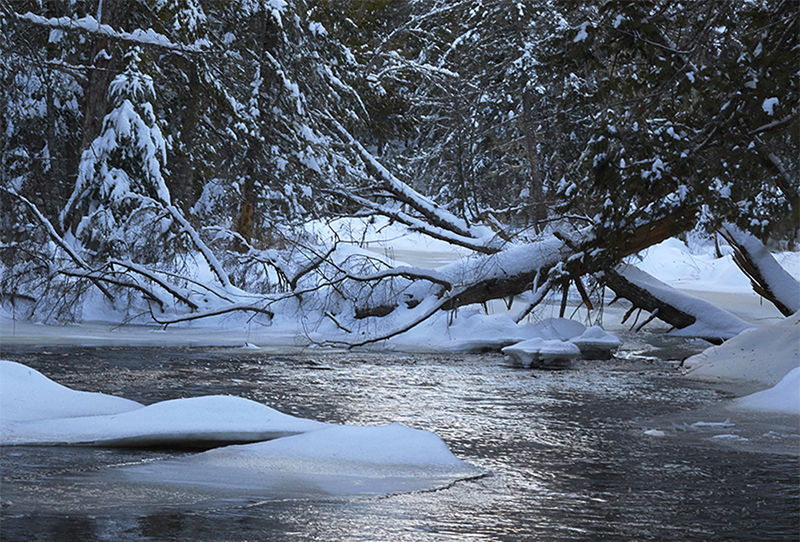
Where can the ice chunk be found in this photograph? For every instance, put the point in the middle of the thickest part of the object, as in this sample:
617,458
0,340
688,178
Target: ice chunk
559,328
337,460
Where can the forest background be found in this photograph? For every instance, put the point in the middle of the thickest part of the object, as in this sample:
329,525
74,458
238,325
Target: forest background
166,155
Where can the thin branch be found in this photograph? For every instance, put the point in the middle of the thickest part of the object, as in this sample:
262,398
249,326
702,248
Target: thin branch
57,239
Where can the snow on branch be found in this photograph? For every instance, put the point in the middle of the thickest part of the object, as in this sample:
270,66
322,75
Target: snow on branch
91,25
212,260
693,317
435,215
56,238
421,226
219,311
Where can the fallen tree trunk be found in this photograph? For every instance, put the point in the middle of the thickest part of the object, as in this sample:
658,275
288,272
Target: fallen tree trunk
693,317
766,275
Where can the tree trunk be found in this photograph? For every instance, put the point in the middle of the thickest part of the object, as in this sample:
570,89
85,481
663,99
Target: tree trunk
697,318
104,66
767,277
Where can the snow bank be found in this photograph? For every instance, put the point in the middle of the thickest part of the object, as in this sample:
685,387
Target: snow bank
27,395
783,397
182,422
291,454
764,355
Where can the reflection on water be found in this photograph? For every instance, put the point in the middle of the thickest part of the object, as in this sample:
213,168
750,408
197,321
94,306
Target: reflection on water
566,450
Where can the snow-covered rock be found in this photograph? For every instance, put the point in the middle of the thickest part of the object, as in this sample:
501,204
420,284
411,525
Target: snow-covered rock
542,352
596,343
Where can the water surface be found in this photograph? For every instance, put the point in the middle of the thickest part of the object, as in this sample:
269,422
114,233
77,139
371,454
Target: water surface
566,450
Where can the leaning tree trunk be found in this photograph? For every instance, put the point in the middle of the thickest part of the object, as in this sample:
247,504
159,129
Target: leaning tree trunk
695,317
766,275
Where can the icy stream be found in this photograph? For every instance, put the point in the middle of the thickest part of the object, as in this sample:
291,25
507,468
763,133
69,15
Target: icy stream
567,451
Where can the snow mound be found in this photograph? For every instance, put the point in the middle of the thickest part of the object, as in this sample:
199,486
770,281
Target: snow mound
561,329
292,457
337,460
558,341
27,395
763,355
36,410
783,397
596,343
468,331
542,352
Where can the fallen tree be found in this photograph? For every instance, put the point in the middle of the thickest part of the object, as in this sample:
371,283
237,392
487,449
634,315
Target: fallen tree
366,298
766,275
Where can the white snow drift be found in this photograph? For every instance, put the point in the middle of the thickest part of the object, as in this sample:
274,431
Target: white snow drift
763,355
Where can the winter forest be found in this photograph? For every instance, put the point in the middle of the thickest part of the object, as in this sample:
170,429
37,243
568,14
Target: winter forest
164,158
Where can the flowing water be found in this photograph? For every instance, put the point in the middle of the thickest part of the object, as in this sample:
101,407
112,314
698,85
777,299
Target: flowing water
566,451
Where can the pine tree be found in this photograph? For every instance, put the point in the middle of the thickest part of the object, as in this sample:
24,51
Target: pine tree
121,169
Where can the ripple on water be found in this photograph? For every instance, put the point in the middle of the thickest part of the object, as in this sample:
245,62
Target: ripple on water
566,450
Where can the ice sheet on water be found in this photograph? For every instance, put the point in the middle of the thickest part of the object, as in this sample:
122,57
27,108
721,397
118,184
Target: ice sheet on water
339,460
291,457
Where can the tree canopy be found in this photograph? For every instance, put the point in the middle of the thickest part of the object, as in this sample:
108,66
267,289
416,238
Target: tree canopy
144,140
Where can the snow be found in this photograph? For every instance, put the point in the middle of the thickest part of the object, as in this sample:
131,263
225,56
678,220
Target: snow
582,34
90,24
777,278
34,410
334,461
27,396
545,352
596,343
711,322
783,397
763,355
769,105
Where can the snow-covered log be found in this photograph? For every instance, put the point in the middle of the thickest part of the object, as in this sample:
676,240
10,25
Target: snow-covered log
691,316
768,278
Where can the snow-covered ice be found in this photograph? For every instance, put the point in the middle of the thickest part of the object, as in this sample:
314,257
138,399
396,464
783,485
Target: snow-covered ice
783,397
596,343
28,396
288,453
337,460
542,352
36,410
